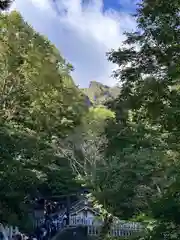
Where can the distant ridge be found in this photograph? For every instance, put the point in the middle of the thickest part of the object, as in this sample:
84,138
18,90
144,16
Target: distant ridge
99,94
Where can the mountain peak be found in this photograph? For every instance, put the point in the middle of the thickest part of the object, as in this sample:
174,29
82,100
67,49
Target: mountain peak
95,84
99,93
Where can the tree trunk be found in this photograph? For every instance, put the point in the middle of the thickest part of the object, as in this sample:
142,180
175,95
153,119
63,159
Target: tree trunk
105,227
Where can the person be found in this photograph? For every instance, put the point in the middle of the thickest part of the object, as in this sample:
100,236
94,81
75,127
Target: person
1,236
24,237
30,237
38,233
65,219
53,230
43,233
55,223
18,236
59,222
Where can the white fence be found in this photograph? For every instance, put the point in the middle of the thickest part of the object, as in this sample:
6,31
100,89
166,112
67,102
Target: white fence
114,232
8,231
123,229
74,221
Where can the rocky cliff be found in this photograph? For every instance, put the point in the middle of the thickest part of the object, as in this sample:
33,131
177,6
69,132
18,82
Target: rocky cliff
98,93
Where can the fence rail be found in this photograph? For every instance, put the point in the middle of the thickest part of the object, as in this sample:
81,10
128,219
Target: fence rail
114,232
74,220
122,229
8,231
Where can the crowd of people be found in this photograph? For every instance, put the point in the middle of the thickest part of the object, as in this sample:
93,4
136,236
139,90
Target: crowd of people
46,230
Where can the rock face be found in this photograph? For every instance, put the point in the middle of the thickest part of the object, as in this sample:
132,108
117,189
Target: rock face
98,93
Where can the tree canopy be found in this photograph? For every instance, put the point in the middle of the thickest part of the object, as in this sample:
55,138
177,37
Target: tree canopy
39,101
126,151
136,174
141,167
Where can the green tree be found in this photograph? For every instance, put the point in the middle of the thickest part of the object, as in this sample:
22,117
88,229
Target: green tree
143,142
83,146
95,120
39,102
47,99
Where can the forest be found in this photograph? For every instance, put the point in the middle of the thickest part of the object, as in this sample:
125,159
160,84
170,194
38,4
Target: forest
122,143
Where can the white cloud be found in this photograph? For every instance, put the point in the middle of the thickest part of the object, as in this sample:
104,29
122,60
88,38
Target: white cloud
83,33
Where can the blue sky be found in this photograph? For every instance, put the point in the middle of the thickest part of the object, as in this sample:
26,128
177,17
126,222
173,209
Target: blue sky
128,6
83,31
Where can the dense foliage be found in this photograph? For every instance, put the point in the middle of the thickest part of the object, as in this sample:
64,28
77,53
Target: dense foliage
140,175
52,134
39,101
135,172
